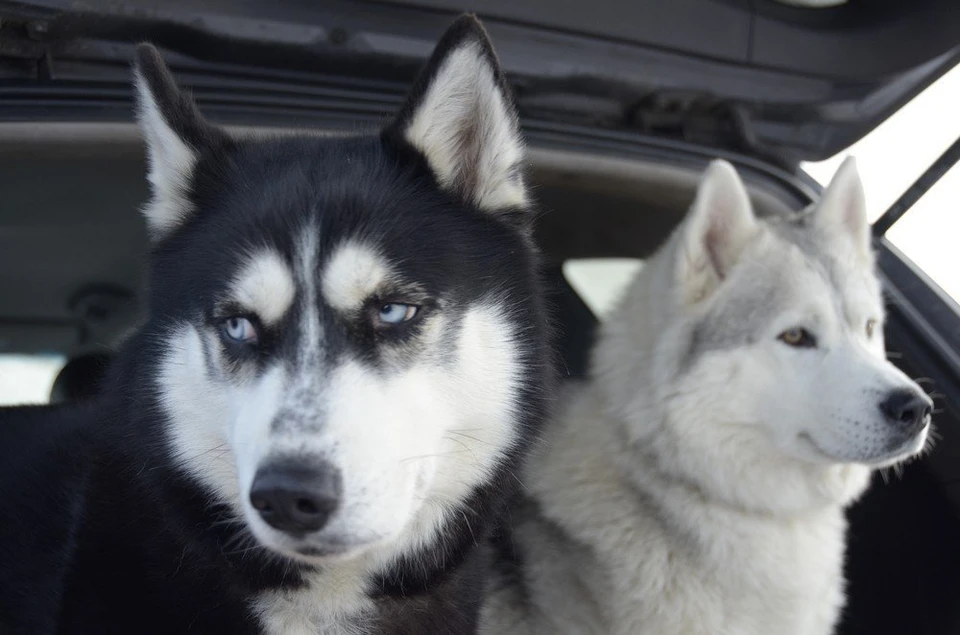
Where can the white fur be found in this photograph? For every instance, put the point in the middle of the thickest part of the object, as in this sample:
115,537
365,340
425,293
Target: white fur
334,603
702,491
170,163
464,98
187,396
265,287
410,442
352,275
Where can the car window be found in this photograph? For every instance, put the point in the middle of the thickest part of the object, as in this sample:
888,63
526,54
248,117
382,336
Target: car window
928,233
892,157
600,281
27,379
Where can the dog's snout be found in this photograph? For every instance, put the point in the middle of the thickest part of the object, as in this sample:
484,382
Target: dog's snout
907,408
296,499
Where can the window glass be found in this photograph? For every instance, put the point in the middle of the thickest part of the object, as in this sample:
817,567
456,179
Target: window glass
27,379
897,151
892,157
600,281
929,233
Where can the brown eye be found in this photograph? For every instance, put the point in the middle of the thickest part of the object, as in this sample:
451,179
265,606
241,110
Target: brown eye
798,338
871,325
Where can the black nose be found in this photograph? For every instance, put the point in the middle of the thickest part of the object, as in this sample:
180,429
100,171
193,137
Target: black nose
906,408
296,498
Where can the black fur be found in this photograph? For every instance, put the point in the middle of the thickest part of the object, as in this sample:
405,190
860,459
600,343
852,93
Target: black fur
180,111
101,533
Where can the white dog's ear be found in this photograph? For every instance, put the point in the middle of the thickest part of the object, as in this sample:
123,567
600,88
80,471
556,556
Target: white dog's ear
175,134
461,117
843,209
717,229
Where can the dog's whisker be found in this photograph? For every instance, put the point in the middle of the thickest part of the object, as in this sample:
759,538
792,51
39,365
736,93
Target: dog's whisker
438,455
471,437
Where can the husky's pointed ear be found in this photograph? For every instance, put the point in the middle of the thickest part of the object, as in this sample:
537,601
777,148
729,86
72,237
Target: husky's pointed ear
719,226
842,211
460,115
175,134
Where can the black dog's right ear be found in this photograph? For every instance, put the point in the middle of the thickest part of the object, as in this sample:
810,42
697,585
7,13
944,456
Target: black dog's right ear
175,134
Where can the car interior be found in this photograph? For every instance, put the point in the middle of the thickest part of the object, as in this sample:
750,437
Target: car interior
80,239
72,241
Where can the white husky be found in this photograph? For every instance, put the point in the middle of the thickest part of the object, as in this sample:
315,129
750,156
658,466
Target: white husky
740,397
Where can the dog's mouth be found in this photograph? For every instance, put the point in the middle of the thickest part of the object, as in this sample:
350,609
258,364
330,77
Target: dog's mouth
330,550
315,550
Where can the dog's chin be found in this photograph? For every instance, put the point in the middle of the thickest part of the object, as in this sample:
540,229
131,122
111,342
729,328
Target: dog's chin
901,451
907,450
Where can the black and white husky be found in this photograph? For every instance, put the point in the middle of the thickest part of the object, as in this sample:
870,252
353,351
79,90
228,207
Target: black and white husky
343,362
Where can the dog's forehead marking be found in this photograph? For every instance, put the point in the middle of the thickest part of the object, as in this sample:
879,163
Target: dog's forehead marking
310,339
352,274
744,314
265,286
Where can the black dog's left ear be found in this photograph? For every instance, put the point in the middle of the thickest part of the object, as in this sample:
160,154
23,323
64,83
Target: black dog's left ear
460,115
175,133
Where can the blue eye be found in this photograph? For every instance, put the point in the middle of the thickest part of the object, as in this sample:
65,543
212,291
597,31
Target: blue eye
240,330
395,313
